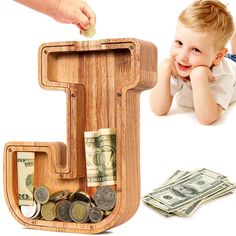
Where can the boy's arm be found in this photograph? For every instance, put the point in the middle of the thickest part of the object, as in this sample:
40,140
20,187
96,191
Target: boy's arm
206,108
160,98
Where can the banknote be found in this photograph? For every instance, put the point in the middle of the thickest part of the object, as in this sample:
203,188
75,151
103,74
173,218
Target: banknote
187,210
177,175
100,150
152,203
196,186
25,170
184,192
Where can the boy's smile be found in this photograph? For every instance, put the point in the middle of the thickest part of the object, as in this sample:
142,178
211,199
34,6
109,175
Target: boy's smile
182,68
193,48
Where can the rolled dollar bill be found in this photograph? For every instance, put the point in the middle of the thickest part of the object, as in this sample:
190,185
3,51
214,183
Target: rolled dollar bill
100,148
25,168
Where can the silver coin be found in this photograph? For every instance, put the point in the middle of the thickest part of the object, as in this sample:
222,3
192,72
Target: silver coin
62,210
105,198
38,212
95,214
29,211
41,194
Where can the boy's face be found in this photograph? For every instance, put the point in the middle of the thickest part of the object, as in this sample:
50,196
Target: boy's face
191,49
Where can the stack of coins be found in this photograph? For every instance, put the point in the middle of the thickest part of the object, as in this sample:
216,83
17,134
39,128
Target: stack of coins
66,206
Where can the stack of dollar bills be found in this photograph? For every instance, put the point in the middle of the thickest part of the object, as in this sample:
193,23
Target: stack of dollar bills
185,191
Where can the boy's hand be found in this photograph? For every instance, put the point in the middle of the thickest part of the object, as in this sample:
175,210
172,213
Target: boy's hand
201,73
167,65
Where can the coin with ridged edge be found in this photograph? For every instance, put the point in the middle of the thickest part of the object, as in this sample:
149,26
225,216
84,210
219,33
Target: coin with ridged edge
72,195
60,195
48,211
41,194
107,213
95,214
62,210
79,211
105,198
82,196
37,215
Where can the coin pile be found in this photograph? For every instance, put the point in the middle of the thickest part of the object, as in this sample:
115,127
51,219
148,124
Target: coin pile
185,191
66,206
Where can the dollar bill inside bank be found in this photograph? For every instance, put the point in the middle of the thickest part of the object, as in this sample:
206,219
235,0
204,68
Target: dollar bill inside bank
100,150
25,170
184,192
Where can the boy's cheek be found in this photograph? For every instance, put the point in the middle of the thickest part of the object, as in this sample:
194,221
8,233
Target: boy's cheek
172,52
195,62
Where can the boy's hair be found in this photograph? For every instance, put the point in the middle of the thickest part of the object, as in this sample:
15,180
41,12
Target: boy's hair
209,16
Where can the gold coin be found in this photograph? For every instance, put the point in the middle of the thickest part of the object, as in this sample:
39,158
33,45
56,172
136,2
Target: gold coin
60,195
56,196
107,213
72,195
92,204
79,211
82,196
90,32
48,211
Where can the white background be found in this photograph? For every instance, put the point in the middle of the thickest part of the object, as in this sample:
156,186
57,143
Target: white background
176,141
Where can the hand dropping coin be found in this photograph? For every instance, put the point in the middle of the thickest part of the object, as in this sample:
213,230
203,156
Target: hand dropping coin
90,32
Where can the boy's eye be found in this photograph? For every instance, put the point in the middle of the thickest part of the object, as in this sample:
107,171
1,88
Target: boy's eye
196,50
178,42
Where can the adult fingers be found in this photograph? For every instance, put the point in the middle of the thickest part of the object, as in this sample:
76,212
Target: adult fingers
89,13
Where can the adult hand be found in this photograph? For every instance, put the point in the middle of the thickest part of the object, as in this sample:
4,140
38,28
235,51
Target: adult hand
66,11
76,12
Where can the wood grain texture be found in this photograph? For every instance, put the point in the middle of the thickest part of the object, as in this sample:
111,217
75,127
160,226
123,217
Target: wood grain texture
102,81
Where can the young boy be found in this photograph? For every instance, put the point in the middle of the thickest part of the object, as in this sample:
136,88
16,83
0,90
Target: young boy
197,71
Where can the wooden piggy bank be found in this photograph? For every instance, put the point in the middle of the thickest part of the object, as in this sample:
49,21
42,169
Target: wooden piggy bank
91,183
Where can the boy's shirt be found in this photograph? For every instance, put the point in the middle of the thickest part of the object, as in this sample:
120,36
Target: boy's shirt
223,88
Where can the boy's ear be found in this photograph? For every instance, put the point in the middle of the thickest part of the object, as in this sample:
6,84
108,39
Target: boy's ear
219,56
